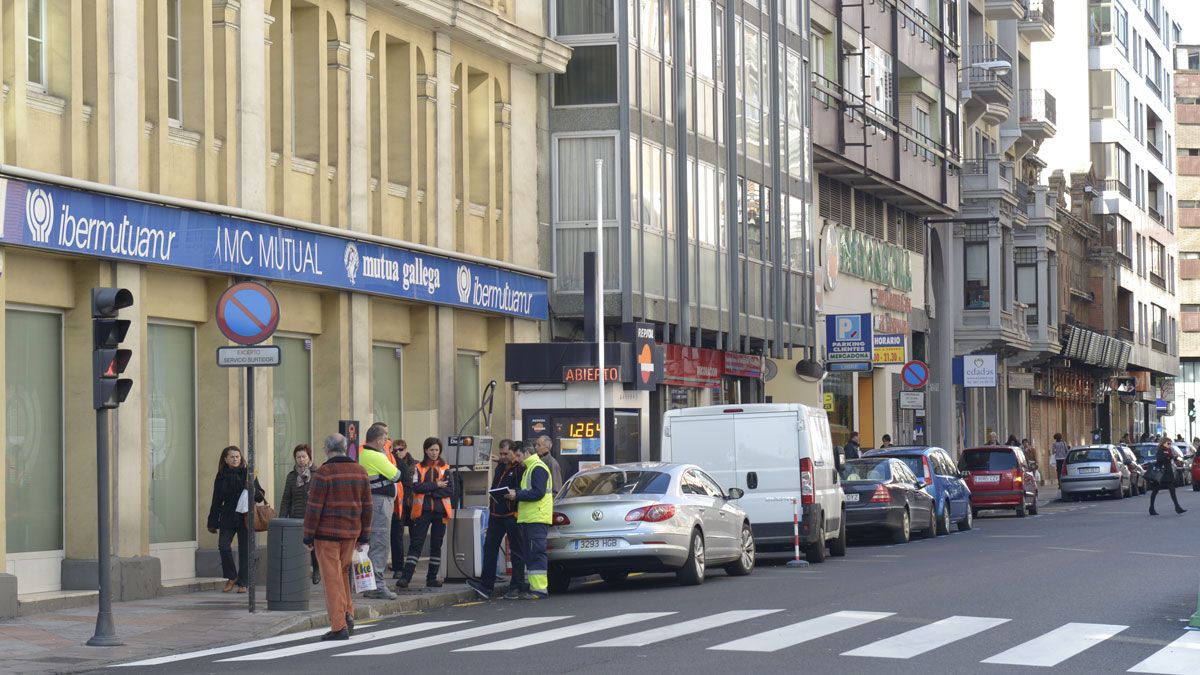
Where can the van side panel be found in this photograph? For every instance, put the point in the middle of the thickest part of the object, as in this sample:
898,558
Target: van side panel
768,445
707,442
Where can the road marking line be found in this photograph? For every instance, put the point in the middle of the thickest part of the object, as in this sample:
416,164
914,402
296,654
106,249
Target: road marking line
1058,645
266,642
466,634
1077,550
794,634
1015,536
649,637
334,644
565,632
1162,555
1181,657
920,640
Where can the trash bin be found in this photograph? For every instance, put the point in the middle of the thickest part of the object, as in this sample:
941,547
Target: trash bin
288,567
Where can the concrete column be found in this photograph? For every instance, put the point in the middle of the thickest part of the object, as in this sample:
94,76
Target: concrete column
8,582
1044,292
252,106
523,154
359,206
942,422
444,352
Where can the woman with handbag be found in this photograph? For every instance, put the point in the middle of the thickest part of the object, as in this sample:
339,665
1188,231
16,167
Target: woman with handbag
227,515
1162,475
294,502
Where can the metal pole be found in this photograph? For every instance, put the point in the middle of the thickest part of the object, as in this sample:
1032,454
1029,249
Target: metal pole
251,543
106,632
600,294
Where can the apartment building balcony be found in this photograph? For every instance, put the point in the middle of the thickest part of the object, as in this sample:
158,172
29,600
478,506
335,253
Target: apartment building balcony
1005,10
986,177
987,85
1040,204
981,329
1038,22
1042,332
1039,114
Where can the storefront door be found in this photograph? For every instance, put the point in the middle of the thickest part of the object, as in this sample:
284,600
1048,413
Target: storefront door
866,412
172,429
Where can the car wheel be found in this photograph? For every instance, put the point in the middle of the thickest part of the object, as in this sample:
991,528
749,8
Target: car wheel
557,582
968,521
614,577
692,572
930,531
815,553
943,526
974,513
837,548
1033,507
903,534
745,563
1021,510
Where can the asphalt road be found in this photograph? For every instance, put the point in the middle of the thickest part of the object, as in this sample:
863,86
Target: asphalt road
1011,590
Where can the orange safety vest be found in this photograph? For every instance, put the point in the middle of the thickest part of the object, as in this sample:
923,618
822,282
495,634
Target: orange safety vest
398,509
439,473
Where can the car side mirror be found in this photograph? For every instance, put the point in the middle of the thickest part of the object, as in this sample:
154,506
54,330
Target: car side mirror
735,493
839,459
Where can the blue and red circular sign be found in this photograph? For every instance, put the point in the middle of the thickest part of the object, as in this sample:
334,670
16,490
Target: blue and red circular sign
915,374
247,313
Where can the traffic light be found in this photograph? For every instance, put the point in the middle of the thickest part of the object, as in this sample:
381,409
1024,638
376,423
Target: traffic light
109,389
1192,408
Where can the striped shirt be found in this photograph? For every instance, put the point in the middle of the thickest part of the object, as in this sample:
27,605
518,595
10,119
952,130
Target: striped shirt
339,503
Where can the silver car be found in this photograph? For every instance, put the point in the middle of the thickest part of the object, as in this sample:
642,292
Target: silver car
1095,469
647,517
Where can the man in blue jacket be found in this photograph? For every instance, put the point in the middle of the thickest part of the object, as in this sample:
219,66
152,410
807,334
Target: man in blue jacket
535,511
502,522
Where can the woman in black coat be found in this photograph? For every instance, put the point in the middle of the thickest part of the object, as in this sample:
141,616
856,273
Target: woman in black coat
294,502
224,518
1165,460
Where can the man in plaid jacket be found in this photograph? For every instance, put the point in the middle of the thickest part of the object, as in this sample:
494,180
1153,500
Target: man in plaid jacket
338,517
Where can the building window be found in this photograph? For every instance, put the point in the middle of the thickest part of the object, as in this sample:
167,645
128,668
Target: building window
976,270
575,209
293,403
1027,280
171,376
174,63
591,77
1158,326
36,47
584,17
466,392
386,387
33,374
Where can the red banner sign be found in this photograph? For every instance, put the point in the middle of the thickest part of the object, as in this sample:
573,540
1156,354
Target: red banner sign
743,365
692,366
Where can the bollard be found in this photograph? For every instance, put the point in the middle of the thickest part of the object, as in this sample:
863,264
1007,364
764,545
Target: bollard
796,561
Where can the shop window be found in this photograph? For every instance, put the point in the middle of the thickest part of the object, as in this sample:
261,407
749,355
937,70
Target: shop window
386,387
976,270
33,373
171,379
591,77
293,404
466,393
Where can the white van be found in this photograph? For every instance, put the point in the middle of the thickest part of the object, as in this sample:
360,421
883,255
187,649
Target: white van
773,452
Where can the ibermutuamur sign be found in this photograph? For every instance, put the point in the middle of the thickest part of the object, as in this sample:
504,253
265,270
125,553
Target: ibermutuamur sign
67,220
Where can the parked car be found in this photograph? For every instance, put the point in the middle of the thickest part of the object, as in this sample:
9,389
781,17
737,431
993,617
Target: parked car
943,482
774,452
1137,474
647,517
1095,470
882,492
1000,477
1195,476
1186,456
1148,456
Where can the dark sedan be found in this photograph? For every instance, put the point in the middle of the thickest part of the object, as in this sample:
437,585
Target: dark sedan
1147,455
881,492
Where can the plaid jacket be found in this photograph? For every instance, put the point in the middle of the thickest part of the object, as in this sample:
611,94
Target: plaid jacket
339,503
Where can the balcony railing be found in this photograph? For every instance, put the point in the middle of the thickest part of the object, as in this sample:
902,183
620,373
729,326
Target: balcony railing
1022,192
1125,333
1038,104
1158,217
1152,82
1040,10
989,52
1154,149
1115,185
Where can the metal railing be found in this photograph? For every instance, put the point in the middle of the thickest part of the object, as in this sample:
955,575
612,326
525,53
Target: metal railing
983,53
1115,185
1158,217
1040,10
1038,104
1023,193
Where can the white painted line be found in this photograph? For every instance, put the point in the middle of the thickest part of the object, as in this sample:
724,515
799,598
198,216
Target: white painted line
1015,536
334,644
796,633
455,636
650,637
1162,555
1077,550
565,632
1181,657
1058,645
926,638
266,642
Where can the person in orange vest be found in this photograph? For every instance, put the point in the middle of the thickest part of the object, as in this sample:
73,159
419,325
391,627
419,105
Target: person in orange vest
400,514
431,510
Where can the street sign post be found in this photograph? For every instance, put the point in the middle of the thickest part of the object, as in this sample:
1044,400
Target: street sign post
912,400
915,374
248,313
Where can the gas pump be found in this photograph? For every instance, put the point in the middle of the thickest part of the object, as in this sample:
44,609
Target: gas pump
470,458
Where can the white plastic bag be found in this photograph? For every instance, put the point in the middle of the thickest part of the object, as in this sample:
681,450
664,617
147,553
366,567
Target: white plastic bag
361,570
243,505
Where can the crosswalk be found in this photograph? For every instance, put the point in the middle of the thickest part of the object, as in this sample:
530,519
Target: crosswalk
717,632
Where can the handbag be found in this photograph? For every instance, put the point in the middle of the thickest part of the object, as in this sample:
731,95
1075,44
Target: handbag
363,572
1154,475
263,515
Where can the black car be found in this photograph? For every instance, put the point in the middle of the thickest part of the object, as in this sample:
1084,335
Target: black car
1147,456
881,492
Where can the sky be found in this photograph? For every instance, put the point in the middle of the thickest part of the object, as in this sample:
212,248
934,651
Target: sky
1187,14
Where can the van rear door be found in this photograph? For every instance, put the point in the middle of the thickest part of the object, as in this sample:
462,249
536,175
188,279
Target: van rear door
704,440
768,469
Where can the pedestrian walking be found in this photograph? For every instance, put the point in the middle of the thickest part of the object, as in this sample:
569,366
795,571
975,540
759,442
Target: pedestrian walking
852,449
1165,466
225,520
535,510
544,444
383,475
431,511
400,515
294,502
338,518
1059,448
502,522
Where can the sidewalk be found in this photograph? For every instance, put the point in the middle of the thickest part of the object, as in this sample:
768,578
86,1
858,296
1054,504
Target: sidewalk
53,641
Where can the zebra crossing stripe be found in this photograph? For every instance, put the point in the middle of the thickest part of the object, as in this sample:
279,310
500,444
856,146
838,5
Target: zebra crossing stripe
565,632
649,637
310,647
1058,645
215,651
796,633
926,638
444,638
1181,657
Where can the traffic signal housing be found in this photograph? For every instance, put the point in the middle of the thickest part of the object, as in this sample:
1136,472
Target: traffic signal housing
109,389
1192,408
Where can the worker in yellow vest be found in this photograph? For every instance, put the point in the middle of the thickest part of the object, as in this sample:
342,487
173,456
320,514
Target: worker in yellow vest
431,510
535,510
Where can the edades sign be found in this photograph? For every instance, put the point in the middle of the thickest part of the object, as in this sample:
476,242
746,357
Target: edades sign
66,220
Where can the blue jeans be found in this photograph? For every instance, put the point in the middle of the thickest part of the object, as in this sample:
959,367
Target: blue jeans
500,527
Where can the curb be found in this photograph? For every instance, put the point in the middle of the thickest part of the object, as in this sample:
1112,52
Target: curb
375,610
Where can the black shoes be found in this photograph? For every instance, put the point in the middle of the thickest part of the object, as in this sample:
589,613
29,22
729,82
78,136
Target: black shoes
343,634
433,583
1179,510
1153,512
403,583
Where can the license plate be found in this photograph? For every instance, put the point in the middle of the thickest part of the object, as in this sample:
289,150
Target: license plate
987,479
591,544
851,497
1089,469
